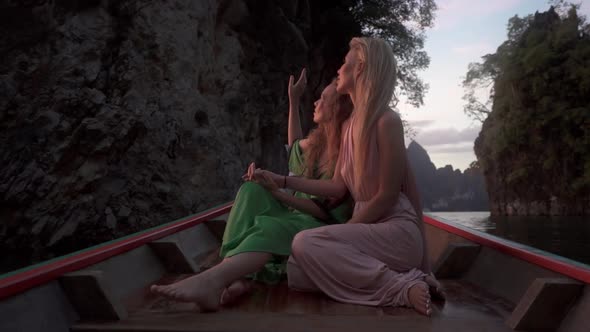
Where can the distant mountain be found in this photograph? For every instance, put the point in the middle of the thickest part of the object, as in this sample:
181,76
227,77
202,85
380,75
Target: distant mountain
447,189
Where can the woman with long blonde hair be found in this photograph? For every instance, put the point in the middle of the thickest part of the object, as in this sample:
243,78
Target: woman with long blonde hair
264,220
379,256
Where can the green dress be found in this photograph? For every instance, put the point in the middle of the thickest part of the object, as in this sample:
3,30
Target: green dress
260,223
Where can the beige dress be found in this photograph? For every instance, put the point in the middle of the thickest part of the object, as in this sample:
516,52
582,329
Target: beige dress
370,264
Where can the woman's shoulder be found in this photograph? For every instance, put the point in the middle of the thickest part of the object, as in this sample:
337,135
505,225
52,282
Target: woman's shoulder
389,120
303,143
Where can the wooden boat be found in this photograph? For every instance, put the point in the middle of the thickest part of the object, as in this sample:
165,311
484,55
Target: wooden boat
491,285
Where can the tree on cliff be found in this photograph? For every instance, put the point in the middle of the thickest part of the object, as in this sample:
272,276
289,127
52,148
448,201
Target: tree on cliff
480,77
403,24
536,135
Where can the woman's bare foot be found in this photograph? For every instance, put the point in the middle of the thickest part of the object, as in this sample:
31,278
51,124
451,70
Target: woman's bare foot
235,290
436,290
419,298
200,289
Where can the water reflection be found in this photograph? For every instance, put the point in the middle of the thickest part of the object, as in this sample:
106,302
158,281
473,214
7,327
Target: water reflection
565,236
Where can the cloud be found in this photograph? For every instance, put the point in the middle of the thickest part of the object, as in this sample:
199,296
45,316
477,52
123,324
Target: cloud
443,136
451,12
471,50
460,160
420,123
585,10
452,148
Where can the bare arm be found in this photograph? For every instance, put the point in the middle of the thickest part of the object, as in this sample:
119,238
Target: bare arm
325,188
334,187
390,143
301,204
295,91
305,205
294,131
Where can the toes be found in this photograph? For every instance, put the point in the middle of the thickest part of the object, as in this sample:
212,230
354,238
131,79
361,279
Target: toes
424,294
156,289
171,292
167,290
223,298
421,299
163,291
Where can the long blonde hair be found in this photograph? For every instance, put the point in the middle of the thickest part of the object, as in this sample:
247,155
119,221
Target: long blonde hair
373,90
326,137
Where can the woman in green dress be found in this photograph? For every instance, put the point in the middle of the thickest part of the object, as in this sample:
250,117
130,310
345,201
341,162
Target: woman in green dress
264,219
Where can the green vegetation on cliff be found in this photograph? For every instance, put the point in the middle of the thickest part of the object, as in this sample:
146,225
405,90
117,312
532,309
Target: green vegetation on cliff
535,141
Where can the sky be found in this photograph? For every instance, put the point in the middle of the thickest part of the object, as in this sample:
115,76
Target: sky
463,31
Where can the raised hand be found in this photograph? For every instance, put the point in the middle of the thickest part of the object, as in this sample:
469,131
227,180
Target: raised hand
296,90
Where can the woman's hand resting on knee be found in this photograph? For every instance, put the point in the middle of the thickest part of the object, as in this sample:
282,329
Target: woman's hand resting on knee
264,179
269,180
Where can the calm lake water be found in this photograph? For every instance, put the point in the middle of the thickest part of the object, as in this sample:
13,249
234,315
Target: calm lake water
564,236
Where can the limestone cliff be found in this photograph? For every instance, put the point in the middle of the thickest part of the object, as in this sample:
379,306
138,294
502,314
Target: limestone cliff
445,188
120,115
535,142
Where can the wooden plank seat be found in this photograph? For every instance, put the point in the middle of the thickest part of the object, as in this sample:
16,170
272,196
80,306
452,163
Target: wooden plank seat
92,296
274,308
217,227
172,256
545,304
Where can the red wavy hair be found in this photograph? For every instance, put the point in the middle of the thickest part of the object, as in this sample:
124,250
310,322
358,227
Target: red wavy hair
326,138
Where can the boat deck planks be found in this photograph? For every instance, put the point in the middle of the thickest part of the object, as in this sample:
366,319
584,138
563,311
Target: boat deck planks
273,308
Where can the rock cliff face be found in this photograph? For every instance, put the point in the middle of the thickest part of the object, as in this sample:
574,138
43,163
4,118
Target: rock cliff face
120,115
535,141
536,197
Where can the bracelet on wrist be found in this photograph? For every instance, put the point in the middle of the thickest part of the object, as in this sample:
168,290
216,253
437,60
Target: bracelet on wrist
285,181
